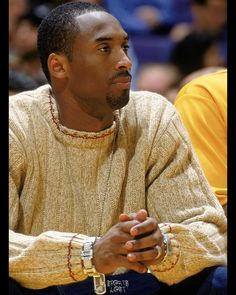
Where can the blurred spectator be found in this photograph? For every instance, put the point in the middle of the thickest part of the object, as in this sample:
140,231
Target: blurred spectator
202,105
19,81
30,65
202,43
208,17
58,2
148,24
24,36
146,17
159,78
23,56
197,51
16,9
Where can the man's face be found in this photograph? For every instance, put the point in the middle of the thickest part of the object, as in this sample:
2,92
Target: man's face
212,16
216,14
25,38
99,71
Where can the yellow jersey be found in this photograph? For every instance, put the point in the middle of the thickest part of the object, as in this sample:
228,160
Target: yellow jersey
202,105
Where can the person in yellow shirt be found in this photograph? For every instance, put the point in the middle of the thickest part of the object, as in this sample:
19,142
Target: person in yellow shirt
202,105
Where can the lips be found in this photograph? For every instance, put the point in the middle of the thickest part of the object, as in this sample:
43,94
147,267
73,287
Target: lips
121,80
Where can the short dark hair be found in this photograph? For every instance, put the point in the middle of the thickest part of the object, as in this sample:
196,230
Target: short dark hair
58,29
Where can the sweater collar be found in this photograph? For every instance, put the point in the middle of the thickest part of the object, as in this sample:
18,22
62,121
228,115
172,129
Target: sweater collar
71,136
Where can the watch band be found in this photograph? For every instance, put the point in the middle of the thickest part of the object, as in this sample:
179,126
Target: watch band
87,255
99,279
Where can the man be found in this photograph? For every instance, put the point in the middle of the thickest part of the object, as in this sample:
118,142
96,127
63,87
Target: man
202,104
103,182
203,42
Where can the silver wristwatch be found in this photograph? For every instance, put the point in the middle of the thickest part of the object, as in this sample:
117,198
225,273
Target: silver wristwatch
99,279
87,255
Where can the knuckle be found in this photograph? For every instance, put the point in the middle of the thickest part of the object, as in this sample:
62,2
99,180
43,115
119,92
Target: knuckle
153,222
136,245
139,256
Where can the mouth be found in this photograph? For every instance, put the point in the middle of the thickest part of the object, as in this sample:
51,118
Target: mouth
122,82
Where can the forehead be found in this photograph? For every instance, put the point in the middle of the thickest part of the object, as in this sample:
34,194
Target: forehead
95,25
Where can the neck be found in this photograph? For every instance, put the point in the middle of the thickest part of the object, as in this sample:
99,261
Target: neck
74,116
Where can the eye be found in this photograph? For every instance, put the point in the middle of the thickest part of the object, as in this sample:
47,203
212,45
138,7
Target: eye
104,48
126,48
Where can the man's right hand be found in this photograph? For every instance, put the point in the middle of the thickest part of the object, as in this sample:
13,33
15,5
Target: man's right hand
109,250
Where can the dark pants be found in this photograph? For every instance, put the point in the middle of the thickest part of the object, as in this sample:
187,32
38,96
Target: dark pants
211,281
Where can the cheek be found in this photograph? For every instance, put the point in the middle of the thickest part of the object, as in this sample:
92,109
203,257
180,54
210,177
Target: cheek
91,74
89,81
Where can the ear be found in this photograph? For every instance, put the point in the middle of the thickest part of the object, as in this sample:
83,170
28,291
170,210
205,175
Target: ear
57,65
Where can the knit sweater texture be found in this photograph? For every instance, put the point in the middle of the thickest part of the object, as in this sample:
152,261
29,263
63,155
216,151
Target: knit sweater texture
65,182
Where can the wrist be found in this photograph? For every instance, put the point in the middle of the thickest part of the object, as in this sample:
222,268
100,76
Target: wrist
165,247
162,250
87,257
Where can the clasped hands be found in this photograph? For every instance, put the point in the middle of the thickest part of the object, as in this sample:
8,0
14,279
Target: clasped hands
130,243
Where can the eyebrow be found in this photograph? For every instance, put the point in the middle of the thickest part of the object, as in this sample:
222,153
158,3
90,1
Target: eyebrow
105,39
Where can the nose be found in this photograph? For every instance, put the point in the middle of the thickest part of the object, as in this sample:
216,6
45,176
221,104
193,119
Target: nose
123,62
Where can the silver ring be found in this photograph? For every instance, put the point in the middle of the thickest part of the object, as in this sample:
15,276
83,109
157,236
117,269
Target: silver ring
159,249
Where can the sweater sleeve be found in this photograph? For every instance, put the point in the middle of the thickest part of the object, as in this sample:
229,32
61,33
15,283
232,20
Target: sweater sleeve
179,196
51,258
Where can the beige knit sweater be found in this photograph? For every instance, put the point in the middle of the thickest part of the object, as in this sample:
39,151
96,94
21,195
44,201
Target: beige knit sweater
59,177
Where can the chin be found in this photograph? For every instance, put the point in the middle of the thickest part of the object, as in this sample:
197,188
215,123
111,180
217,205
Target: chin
116,102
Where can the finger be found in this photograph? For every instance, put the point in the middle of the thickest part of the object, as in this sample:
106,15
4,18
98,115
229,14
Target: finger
119,249
123,217
127,225
127,217
149,241
136,266
147,226
148,255
120,233
141,215
118,237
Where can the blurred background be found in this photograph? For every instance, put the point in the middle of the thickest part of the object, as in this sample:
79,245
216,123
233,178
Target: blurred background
171,41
